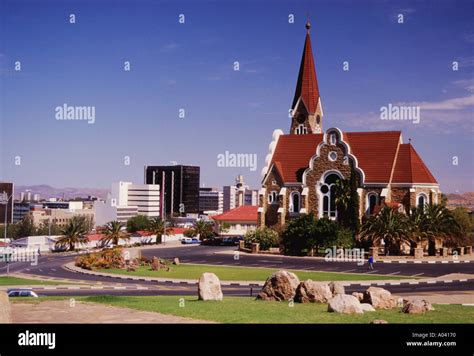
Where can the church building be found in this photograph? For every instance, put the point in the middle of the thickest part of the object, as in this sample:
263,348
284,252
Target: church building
303,166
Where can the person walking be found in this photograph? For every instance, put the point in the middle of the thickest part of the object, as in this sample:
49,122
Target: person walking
371,262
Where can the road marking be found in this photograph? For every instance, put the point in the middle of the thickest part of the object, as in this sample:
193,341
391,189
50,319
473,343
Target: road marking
431,282
349,270
456,261
394,283
418,274
270,261
387,261
449,281
402,261
394,273
418,262
413,282
444,261
371,271
431,262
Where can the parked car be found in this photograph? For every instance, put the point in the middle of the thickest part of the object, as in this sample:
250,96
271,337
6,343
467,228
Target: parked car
212,241
231,240
190,241
22,293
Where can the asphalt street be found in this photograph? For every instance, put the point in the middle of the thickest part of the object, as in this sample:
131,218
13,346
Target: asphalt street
51,266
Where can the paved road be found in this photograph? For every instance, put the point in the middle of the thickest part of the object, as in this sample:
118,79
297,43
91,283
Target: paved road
51,266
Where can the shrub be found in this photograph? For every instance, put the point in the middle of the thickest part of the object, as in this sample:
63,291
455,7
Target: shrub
101,260
265,236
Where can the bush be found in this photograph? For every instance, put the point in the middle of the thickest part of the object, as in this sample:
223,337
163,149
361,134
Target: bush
264,236
101,260
299,235
138,223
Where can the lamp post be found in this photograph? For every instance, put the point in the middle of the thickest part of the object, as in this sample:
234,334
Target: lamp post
4,199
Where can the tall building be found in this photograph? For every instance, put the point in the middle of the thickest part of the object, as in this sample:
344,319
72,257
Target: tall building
179,188
305,165
6,202
127,200
211,200
20,209
239,194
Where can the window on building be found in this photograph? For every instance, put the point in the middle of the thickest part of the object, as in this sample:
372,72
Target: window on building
372,200
301,130
421,201
327,190
273,197
332,139
295,205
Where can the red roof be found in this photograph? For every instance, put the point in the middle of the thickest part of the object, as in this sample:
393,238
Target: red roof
375,151
307,85
178,230
95,237
143,233
410,168
292,154
242,213
3,244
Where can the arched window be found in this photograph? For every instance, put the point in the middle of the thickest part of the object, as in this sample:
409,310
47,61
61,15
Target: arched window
295,202
301,130
422,200
372,200
328,195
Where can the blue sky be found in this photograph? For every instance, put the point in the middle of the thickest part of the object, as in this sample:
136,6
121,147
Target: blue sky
190,66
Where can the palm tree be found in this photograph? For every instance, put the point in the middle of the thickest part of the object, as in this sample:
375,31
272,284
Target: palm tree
203,229
157,226
114,233
390,226
74,233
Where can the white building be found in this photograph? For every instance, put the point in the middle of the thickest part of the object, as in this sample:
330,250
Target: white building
127,200
239,194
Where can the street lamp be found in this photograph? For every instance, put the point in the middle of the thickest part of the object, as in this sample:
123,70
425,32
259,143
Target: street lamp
4,199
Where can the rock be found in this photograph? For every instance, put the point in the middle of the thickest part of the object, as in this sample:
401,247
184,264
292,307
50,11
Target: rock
379,321
209,287
359,296
176,261
312,292
155,264
337,288
379,298
401,302
417,306
279,286
366,307
344,303
5,308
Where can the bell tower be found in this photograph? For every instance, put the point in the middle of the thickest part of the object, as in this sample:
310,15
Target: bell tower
306,111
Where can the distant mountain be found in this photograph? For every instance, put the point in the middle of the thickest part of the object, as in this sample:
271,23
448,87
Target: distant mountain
46,191
465,199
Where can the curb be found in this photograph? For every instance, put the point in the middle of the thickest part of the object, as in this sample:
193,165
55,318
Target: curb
70,267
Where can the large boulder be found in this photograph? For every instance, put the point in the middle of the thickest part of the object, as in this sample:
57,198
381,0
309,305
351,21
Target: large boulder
209,287
337,288
346,304
279,286
359,296
5,308
379,298
313,292
417,306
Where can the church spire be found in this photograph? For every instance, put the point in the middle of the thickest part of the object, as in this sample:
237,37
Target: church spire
306,108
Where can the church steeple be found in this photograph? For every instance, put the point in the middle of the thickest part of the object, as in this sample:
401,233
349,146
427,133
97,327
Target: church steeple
307,111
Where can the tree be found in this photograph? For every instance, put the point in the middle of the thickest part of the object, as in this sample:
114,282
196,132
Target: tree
114,233
388,225
74,233
224,227
48,228
26,227
299,235
264,236
465,223
138,223
157,226
203,229
347,202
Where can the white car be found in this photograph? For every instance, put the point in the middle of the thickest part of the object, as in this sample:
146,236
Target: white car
12,293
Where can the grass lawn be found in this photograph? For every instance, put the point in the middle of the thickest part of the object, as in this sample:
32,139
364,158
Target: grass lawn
249,310
15,281
229,273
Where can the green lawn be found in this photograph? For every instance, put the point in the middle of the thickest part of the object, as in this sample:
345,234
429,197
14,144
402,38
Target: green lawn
15,281
249,310
228,273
